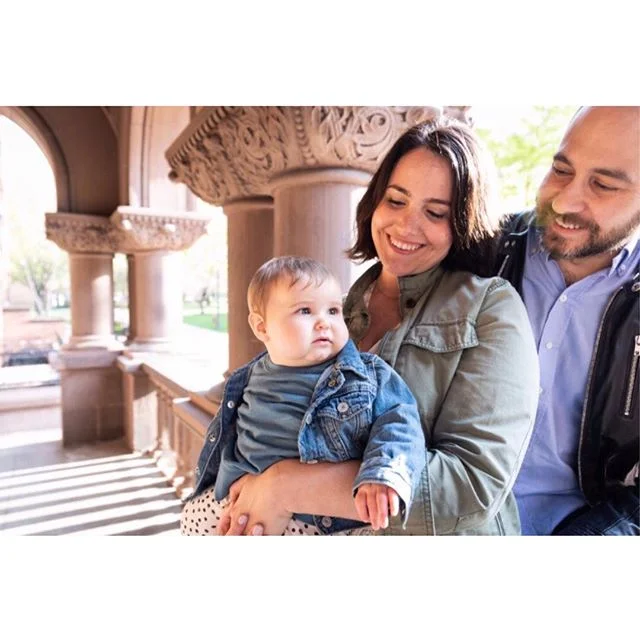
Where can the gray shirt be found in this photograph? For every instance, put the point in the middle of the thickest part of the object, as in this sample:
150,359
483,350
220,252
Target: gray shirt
273,405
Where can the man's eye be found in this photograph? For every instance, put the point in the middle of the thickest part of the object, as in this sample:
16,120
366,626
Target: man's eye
560,172
605,187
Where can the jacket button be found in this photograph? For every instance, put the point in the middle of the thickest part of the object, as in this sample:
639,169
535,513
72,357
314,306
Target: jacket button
308,419
410,303
231,404
332,382
197,471
326,521
343,407
212,438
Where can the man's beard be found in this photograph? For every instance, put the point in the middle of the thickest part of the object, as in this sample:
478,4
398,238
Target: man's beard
596,243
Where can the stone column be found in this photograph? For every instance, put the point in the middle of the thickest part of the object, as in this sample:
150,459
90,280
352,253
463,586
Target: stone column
91,300
90,383
153,240
315,215
314,162
250,244
155,300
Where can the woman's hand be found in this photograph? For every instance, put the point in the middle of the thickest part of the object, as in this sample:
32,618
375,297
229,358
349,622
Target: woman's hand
254,507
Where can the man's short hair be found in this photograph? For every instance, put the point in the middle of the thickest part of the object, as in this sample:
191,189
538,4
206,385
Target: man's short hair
293,268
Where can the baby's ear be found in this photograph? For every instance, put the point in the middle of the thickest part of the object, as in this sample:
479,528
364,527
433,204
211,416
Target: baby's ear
257,324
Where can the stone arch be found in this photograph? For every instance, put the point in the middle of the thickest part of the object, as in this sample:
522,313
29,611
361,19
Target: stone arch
151,130
36,127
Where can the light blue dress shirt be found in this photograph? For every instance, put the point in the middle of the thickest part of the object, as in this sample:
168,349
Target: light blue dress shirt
565,323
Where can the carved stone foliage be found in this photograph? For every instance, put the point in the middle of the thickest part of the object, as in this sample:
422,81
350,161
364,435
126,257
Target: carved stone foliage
127,230
79,233
233,152
145,230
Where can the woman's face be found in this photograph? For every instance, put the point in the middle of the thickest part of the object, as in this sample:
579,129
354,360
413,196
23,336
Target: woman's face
411,227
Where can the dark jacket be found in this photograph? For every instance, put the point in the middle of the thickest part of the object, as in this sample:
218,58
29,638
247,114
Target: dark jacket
610,426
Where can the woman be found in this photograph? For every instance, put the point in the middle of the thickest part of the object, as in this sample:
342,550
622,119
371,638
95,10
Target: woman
461,342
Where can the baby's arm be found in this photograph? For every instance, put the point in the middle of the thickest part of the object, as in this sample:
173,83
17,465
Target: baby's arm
374,503
395,453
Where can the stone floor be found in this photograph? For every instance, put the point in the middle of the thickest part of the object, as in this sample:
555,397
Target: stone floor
47,489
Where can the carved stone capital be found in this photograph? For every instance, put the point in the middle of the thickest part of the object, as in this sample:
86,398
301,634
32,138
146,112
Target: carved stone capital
233,152
127,230
79,233
143,229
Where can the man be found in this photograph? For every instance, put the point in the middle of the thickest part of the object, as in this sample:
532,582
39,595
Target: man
575,260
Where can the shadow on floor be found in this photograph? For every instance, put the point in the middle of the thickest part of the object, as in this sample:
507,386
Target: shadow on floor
103,489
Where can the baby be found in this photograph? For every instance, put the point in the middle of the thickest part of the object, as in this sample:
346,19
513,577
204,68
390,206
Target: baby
312,396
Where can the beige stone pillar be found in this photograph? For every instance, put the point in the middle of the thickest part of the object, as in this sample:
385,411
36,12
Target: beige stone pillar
90,383
153,241
91,300
314,215
250,244
155,300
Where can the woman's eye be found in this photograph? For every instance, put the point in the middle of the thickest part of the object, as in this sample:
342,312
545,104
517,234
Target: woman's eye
437,215
395,203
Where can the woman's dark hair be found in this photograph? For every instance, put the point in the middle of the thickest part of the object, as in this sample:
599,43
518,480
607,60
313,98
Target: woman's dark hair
474,221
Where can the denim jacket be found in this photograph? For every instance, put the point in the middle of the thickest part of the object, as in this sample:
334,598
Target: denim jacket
360,409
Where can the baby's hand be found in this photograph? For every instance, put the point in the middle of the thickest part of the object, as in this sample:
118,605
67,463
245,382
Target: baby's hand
374,502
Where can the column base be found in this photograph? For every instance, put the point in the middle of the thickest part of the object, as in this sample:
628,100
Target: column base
91,393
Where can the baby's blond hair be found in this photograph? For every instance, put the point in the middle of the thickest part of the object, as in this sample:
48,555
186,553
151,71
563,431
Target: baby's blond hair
294,268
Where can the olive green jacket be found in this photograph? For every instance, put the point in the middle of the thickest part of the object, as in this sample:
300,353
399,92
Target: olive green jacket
466,350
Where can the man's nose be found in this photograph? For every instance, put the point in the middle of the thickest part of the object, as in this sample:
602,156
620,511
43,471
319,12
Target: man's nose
570,198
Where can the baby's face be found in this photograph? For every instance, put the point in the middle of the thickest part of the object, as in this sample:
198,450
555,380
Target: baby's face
303,323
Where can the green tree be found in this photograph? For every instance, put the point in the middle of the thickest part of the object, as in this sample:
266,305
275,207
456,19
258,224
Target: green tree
524,156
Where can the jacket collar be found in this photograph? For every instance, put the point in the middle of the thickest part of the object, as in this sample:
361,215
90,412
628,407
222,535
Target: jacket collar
412,288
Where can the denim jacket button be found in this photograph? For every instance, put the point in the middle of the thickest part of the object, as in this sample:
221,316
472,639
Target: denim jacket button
231,404
308,419
212,438
343,407
326,521
332,382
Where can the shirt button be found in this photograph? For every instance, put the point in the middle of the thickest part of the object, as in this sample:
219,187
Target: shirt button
563,297
326,521
231,404
343,407
549,345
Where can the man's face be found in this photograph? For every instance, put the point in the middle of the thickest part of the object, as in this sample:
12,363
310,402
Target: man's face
589,201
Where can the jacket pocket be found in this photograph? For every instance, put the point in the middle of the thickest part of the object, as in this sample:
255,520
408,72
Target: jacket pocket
344,423
443,337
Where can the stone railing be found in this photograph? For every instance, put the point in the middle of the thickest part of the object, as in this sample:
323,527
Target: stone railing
167,410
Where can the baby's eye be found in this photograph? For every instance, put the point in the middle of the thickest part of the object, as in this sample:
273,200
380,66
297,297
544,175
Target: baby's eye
334,311
305,311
